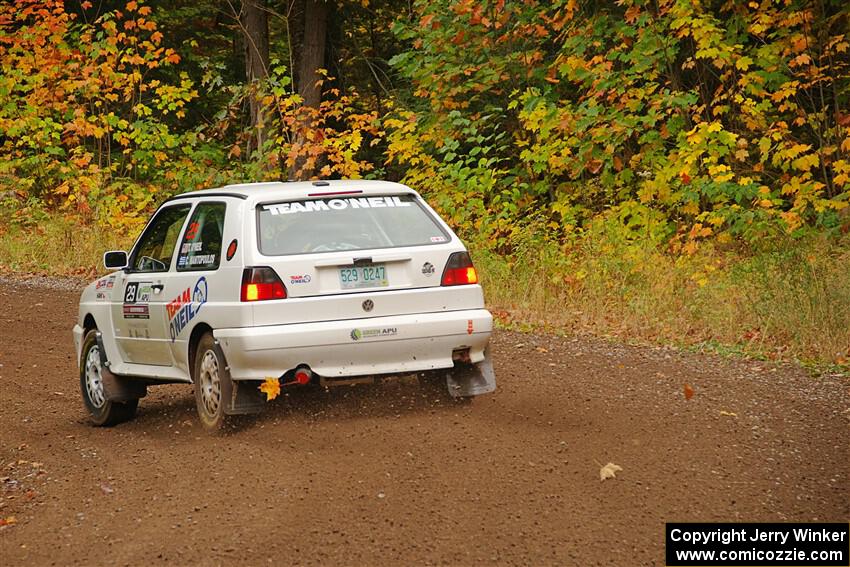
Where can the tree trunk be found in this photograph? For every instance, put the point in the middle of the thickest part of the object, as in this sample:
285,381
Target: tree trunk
255,29
312,52
310,55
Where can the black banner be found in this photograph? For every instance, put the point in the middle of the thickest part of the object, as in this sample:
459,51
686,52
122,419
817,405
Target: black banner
758,545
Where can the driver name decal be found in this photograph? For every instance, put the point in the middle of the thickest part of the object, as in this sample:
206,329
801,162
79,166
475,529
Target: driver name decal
335,205
183,308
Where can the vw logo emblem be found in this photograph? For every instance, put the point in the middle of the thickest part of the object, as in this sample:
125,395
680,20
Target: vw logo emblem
368,305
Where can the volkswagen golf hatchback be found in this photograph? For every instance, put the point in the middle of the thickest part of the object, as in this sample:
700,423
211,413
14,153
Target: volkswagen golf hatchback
324,282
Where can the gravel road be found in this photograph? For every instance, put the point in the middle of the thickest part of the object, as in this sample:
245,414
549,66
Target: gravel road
388,475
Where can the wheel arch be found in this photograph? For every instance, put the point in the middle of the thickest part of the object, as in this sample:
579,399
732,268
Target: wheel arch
88,323
198,331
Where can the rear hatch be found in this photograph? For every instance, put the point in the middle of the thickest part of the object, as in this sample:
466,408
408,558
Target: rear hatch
355,256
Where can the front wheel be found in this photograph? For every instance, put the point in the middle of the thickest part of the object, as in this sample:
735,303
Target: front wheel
212,384
103,412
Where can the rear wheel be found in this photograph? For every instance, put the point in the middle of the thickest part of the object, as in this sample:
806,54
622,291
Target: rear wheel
102,412
212,384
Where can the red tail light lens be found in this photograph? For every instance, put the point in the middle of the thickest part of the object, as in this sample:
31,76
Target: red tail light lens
261,284
459,270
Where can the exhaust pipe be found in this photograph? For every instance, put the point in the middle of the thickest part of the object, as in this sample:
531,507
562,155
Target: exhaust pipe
303,376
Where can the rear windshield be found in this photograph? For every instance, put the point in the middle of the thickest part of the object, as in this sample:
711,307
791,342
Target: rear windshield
345,223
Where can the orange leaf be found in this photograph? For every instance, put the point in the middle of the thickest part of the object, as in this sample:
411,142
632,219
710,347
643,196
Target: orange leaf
131,5
689,392
686,179
271,388
8,521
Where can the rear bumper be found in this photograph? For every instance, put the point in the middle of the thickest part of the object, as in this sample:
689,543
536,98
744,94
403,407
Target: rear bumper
358,347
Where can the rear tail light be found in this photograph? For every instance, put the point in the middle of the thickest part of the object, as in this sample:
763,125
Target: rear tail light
459,270
260,284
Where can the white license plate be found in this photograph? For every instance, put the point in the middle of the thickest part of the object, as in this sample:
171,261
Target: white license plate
359,277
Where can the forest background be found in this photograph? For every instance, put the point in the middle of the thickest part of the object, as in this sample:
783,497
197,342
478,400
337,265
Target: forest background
671,171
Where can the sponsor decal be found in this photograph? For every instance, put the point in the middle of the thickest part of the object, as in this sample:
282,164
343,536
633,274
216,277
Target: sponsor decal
469,327
300,279
438,239
336,205
375,333
185,307
105,283
101,296
428,269
135,311
138,292
231,249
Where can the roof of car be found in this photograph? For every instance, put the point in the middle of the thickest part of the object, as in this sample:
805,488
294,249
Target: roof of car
269,191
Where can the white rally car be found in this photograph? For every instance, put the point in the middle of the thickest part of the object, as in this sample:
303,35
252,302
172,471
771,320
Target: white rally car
311,282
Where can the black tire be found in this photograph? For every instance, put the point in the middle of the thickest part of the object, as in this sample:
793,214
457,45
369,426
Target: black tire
102,411
212,384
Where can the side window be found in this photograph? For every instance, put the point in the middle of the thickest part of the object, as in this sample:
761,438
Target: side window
156,247
201,246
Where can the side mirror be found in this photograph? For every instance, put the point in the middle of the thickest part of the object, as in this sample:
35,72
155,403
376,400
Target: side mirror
115,260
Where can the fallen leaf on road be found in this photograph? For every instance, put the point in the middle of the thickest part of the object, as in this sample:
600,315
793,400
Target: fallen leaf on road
106,489
541,349
271,388
609,470
689,392
8,521
729,413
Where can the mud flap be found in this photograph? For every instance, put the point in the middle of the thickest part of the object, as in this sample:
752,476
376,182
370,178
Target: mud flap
244,397
466,380
118,388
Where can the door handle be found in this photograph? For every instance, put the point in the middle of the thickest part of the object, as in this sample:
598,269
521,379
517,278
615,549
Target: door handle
157,287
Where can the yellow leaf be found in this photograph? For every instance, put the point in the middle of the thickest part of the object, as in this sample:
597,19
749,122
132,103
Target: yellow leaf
271,388
609,471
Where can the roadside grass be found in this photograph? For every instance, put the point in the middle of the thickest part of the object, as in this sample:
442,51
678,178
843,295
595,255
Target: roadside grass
788,300
57,246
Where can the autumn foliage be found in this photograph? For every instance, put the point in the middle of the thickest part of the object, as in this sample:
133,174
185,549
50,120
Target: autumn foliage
94,118
675,120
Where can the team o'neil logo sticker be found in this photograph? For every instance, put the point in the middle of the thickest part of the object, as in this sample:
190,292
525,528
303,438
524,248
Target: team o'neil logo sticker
185,307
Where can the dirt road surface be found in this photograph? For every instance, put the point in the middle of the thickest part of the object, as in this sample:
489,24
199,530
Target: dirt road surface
388,475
